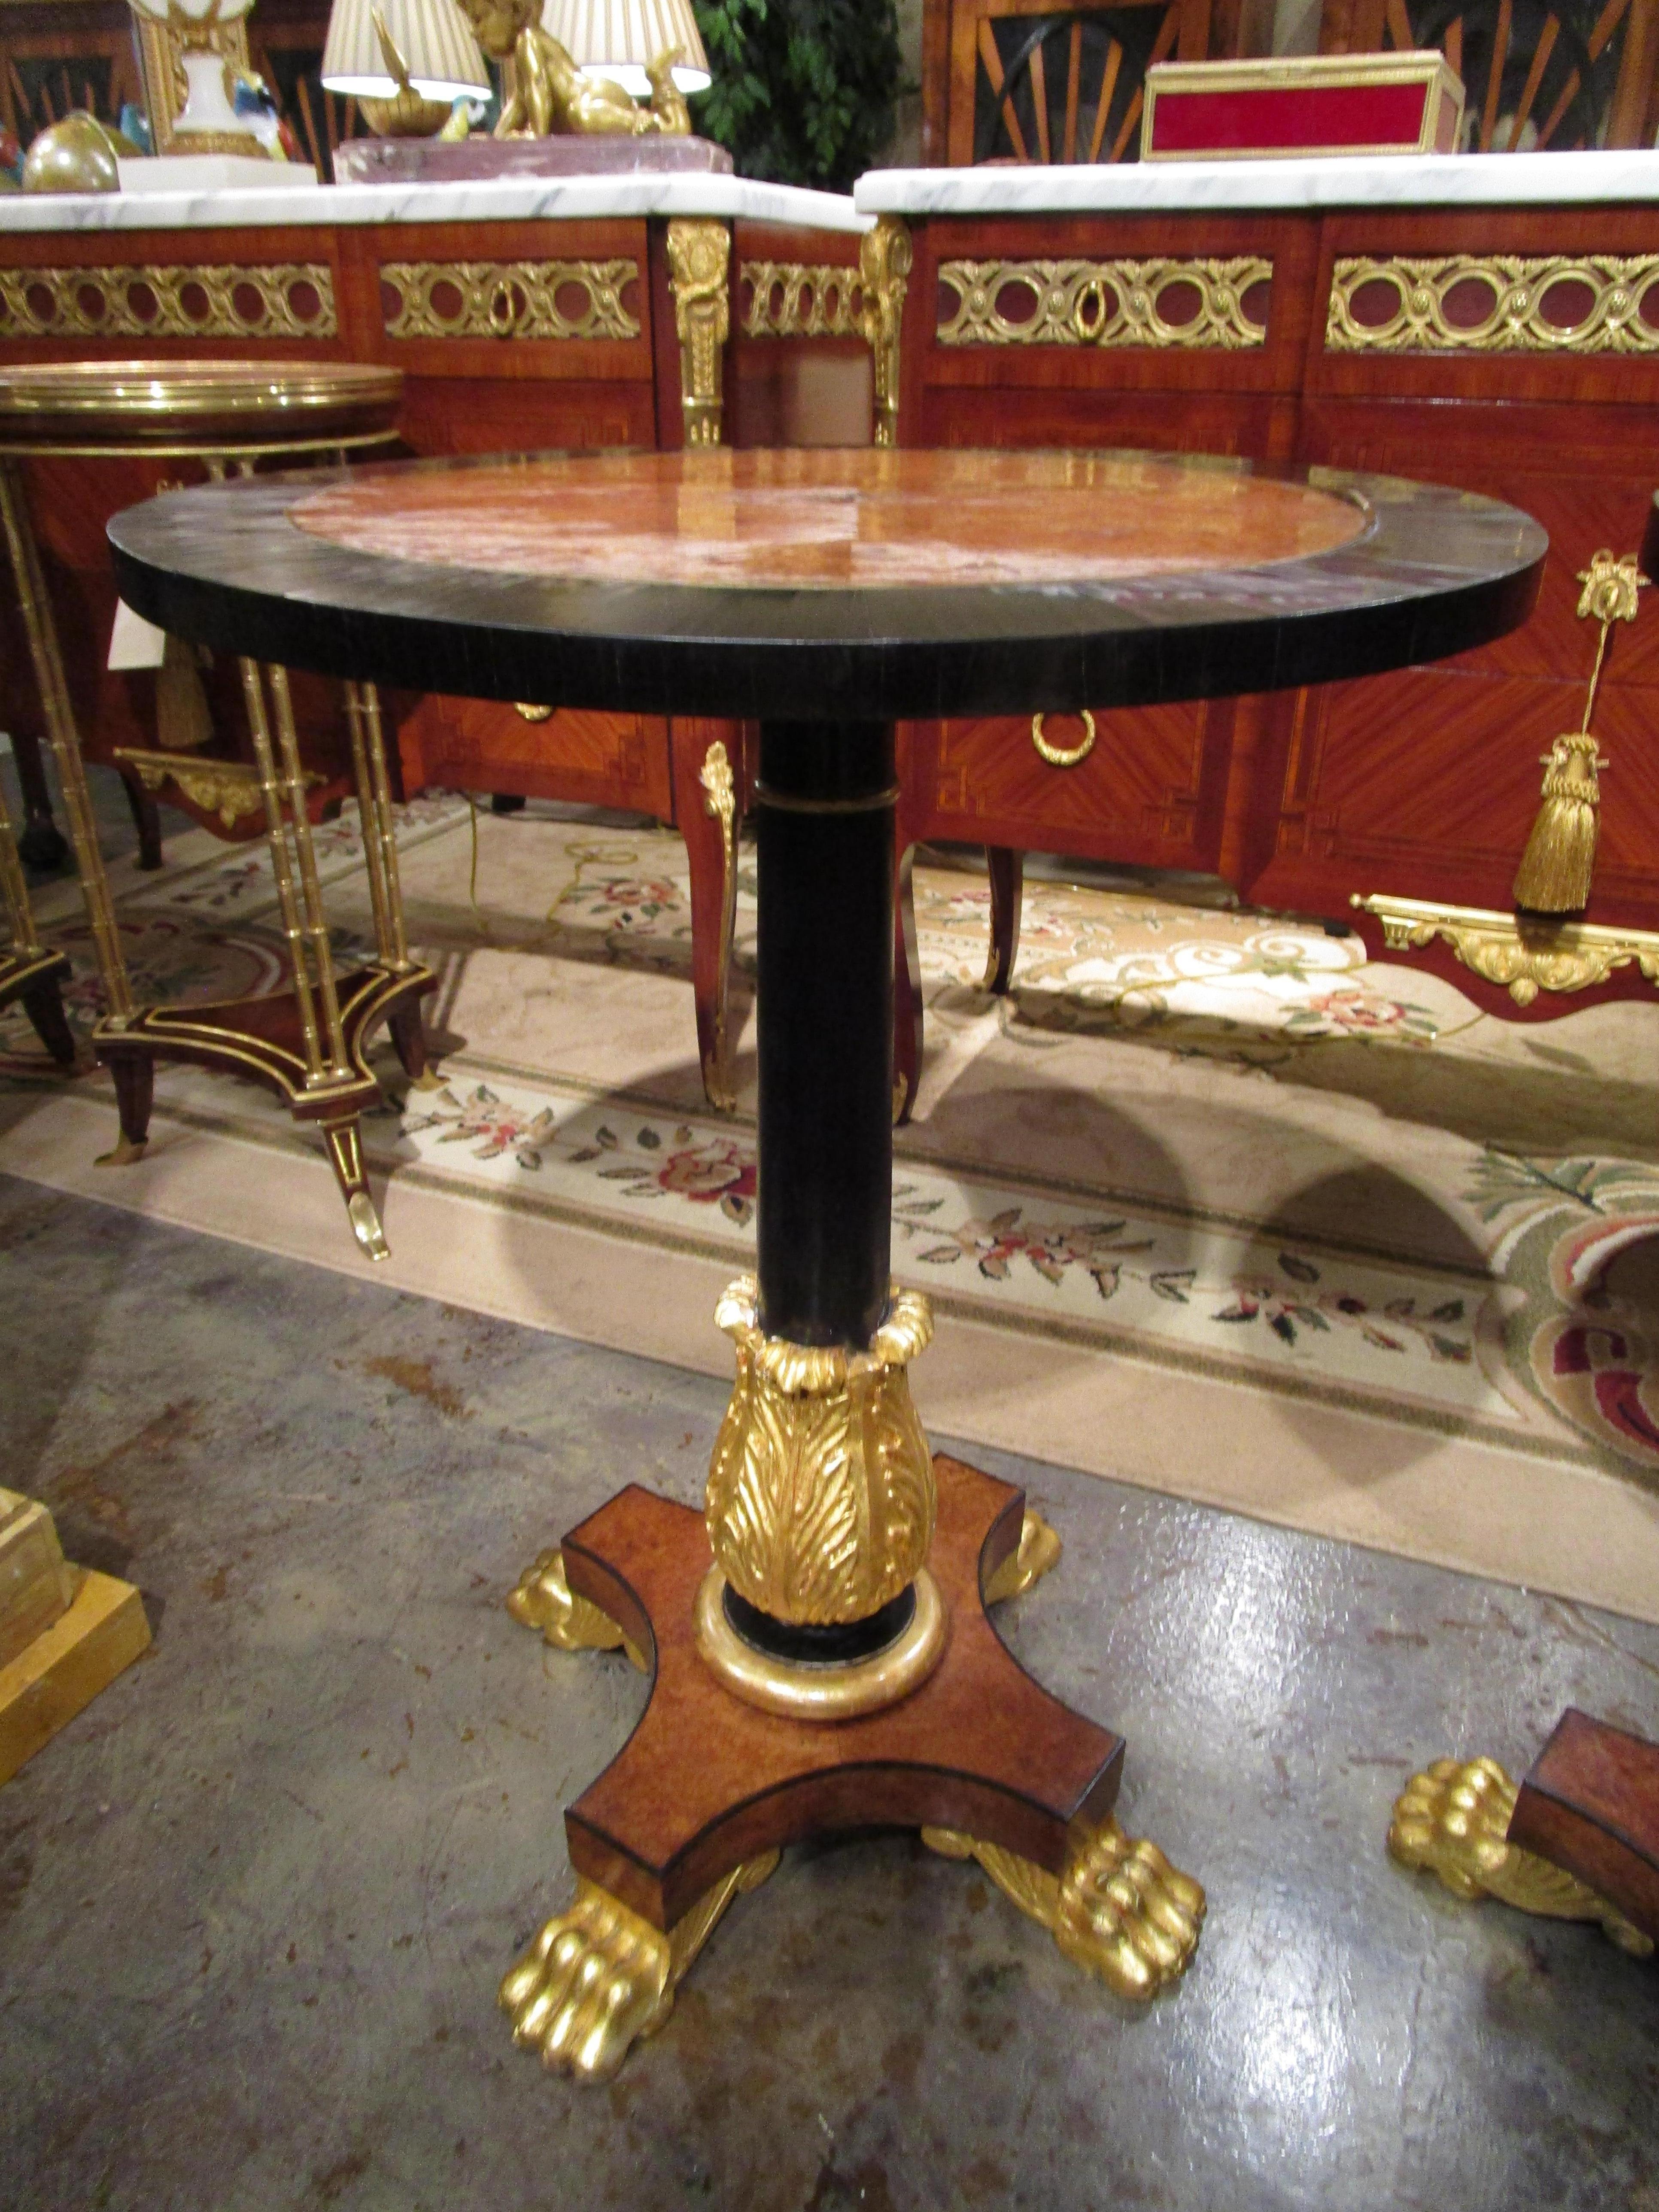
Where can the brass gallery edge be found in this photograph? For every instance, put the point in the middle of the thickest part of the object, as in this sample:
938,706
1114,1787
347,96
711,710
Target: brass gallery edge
802,299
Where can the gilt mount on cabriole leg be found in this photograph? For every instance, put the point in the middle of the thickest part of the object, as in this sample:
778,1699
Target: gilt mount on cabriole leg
708,1789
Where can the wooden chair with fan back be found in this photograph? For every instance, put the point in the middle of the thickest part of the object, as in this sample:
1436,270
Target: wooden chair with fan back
1032,80
1542,76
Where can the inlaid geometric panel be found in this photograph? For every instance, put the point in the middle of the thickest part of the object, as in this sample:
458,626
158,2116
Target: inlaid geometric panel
1135,792
1378,799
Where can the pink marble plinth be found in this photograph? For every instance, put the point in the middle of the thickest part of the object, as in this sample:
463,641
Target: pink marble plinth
431,162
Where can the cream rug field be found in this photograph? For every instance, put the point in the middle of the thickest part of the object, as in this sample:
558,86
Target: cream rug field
1205,1204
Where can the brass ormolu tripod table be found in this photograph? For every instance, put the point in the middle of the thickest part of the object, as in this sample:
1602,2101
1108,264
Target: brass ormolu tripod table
304,1043
821,1655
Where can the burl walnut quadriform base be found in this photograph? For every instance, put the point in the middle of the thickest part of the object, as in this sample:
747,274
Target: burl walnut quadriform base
708,1789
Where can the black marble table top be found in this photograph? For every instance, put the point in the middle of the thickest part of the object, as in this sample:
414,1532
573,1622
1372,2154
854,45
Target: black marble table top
829,585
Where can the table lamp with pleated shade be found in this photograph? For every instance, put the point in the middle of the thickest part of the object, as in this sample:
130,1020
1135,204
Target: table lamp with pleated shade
618,38
433,37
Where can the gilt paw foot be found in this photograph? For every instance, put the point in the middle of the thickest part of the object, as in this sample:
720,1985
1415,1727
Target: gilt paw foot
1120,1910
1035,1553
1127,1914
544,1599
596,1980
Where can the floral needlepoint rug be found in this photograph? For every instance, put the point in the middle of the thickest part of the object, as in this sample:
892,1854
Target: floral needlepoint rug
1206,1202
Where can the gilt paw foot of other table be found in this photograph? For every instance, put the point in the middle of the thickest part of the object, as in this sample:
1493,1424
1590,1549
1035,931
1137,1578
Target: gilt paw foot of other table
1453,1821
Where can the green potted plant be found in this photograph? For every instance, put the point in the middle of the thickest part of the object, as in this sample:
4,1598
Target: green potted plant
804,90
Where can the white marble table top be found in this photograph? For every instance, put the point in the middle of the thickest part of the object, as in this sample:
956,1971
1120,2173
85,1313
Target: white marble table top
506,199
1333,181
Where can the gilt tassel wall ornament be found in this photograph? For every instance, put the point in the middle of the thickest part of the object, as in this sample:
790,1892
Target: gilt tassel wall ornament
1558,866
1555,871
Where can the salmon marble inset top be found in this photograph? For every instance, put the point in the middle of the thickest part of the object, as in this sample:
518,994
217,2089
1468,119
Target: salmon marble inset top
820,519
828,586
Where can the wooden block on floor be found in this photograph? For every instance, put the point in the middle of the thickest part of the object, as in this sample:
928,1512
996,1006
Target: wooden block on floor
35,1585
64,1667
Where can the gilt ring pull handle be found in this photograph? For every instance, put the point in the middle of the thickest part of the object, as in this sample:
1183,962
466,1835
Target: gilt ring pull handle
505,309
1064,755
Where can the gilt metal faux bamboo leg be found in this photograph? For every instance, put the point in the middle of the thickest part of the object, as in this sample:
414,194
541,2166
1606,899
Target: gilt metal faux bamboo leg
282,869
374,854
310,890
385,830
65,744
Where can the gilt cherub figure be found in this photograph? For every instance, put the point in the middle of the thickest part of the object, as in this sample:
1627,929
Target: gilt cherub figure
552,96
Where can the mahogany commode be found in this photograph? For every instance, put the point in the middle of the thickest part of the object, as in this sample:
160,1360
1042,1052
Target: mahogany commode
838,1570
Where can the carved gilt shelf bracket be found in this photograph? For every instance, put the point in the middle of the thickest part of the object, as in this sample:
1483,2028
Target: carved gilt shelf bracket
1525,956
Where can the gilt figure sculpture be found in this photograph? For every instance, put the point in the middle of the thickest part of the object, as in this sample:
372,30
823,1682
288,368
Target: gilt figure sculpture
550,96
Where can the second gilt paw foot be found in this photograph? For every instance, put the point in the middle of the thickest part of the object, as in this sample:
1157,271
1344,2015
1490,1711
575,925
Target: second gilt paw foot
544,1599
1453,1821
1127,1914
1119,1909
596,1980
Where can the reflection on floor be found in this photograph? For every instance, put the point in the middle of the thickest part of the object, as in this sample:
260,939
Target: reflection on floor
256,1897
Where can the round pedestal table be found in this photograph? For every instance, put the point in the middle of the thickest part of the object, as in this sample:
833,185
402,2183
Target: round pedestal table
818,1640
306,1042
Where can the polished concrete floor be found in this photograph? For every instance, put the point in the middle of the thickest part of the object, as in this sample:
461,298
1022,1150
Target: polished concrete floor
255,1901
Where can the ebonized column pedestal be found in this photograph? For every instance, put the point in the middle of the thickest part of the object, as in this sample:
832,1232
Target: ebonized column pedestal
818,1640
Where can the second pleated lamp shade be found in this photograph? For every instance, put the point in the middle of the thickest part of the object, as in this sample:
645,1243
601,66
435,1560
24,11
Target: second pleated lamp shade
433,36
618,38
